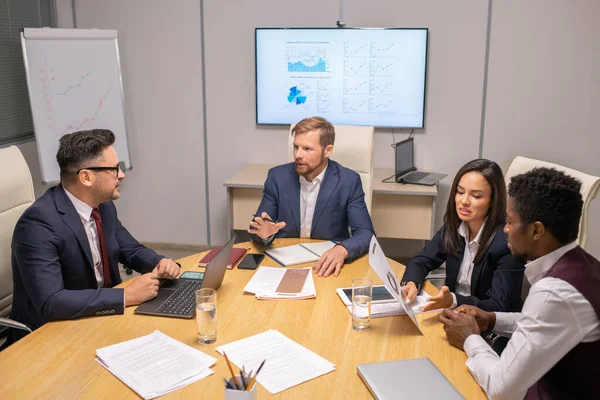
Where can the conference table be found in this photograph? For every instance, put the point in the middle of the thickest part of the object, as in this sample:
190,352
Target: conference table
58,360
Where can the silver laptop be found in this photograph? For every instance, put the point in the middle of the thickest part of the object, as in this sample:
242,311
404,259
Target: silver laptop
406,172
407,379
177,297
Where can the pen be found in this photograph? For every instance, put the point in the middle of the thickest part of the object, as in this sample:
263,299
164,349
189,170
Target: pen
266,219
231,370
249,386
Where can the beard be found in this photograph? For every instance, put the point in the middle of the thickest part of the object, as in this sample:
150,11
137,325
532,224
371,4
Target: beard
306,169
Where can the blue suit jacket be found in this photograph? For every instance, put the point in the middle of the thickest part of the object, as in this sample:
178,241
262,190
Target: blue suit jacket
53,273
340,205
495,283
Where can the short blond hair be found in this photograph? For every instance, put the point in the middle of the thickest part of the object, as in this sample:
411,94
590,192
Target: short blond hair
327,133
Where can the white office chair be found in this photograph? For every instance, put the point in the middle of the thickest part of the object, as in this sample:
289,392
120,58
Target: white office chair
16,194
353,148
589,186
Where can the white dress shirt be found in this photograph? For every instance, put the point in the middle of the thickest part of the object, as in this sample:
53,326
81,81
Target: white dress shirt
555,318
309,192
465,271
89,225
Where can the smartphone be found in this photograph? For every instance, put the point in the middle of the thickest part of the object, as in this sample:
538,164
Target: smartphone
251,261
380,295
195,275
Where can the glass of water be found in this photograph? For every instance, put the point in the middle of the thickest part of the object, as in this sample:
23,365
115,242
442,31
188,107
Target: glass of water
362,295
206,315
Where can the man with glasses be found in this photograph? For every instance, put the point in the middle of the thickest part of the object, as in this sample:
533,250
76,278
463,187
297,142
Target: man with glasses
66,247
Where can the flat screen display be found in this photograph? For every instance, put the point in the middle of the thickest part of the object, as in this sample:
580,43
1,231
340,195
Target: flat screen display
373,77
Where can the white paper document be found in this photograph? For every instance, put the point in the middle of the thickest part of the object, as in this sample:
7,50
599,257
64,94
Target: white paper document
379,310
155,364
287,363
379,263
299,253
266,280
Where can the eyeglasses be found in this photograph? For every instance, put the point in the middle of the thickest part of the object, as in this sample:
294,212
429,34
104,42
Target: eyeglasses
120,167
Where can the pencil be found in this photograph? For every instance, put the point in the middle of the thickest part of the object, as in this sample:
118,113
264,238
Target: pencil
231,370
249,386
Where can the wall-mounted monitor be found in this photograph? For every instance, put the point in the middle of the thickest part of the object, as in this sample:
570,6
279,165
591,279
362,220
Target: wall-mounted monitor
366,76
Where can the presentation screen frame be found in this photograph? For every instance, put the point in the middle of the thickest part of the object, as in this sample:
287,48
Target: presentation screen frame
416,123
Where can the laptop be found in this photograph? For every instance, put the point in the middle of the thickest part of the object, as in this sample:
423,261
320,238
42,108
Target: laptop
406,172
177,297
407,379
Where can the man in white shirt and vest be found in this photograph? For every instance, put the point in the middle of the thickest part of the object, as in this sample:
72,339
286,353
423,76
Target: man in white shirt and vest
555,340
315,197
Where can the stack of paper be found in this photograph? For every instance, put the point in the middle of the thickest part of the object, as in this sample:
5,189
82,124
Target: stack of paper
271,283
299,253
155,364
287,363
391,309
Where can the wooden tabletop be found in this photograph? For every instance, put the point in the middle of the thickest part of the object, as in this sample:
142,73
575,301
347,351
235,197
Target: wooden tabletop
253,176
58,360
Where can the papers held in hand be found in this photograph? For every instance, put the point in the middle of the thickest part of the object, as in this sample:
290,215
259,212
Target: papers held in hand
272,283
299,253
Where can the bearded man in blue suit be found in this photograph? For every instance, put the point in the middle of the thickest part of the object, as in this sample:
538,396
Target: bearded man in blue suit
315,197
66,247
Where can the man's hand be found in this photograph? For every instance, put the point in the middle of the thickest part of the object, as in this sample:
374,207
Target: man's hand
485,320
443,299
166,268
331,261
410,291
263,227
141,289
458,327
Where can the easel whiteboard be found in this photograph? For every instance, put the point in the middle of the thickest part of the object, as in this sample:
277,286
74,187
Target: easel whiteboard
74,82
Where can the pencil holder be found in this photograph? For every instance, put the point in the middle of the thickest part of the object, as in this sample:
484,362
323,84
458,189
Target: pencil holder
233,394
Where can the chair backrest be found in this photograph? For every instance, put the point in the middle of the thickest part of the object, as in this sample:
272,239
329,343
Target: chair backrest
16,194
353,148
589,186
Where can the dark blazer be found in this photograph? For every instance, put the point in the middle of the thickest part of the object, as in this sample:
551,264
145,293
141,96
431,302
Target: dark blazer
53,272
495,283
340,205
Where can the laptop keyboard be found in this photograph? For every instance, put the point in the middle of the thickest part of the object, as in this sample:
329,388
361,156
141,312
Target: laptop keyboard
416,176
183,300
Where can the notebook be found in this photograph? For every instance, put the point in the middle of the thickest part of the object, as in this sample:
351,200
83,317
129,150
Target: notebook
234,258
299,253
407,379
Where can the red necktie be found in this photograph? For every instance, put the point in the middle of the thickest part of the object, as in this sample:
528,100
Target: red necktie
103,250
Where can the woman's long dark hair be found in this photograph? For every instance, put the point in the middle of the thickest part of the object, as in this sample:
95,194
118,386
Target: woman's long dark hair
496,213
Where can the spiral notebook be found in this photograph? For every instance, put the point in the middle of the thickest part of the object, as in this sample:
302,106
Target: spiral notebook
299,253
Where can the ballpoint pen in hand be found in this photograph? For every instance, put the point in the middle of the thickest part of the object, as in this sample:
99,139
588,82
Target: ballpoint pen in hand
265,219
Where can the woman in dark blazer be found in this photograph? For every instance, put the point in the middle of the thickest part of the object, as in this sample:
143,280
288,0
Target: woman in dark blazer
480,269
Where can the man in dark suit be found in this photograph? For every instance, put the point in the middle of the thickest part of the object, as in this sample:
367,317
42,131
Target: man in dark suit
66,247
315,197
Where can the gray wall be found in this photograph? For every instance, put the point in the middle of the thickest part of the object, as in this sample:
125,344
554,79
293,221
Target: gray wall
543,89
454,85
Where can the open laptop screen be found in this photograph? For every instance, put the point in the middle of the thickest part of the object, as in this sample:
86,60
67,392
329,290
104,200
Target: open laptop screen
404,157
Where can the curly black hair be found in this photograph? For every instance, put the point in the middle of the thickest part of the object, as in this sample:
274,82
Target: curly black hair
551,197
